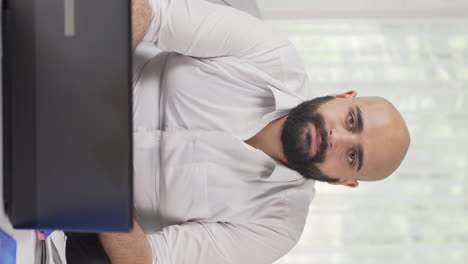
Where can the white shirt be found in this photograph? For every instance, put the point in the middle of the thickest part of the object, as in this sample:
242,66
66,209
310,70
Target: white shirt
202,195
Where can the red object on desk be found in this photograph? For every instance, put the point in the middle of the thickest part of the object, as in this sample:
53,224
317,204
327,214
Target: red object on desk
40,235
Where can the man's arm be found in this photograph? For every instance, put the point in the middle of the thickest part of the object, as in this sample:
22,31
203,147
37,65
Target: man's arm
223,243
202,29
124,248
141,20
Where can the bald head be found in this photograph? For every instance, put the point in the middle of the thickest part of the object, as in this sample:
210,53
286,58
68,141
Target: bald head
388,135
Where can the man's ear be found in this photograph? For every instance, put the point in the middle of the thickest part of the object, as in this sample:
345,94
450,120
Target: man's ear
348,94
349,183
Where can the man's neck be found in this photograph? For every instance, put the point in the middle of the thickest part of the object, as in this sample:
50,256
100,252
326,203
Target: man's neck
268,140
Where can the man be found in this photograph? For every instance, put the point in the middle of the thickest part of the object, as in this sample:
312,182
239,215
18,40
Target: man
228,140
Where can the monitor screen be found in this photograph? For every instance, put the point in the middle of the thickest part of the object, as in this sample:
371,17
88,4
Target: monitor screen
67,118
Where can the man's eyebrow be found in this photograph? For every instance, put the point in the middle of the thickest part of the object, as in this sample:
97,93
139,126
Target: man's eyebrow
360,125
360,153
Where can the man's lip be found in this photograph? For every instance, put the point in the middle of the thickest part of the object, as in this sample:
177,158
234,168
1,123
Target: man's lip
318,140
315,138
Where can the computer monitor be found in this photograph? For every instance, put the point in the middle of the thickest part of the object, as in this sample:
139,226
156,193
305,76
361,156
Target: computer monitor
67,112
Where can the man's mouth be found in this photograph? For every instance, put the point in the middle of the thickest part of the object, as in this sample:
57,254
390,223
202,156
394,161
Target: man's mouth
318,140
315,140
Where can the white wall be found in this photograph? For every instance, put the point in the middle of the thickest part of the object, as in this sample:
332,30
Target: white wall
309,9
420,214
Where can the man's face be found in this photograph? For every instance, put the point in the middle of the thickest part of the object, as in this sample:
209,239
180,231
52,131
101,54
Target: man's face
345,138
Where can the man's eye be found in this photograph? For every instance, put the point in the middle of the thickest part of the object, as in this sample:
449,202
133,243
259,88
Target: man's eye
351,157
351,120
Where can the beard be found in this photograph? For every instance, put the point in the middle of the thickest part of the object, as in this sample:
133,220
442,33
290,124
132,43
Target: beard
296,143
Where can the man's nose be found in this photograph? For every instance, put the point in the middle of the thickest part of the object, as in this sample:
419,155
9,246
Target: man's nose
340,138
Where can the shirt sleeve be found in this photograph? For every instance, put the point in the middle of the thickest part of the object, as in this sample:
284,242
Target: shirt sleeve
201,29
218,243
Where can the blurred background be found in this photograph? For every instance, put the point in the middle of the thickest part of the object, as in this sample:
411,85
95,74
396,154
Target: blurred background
414,53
